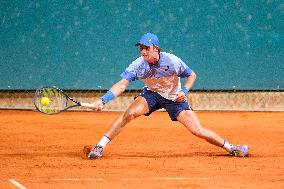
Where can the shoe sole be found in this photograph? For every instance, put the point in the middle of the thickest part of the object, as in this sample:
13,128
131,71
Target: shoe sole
243,153
246,151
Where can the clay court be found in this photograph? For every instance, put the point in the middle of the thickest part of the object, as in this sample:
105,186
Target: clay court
41,151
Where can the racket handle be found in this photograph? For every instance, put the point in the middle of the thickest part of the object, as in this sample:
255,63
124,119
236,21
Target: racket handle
86,104
89,105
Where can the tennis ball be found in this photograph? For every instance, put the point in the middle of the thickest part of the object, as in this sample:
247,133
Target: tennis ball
44,101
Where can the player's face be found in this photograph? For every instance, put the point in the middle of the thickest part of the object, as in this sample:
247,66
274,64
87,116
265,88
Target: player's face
149,53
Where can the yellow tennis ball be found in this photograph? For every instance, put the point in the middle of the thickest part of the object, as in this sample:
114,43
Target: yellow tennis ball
44,101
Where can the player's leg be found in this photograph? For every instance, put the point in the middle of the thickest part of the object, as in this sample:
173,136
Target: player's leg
190,120
183,113
137,108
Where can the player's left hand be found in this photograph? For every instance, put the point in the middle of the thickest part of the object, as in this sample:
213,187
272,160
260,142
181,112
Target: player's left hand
181,97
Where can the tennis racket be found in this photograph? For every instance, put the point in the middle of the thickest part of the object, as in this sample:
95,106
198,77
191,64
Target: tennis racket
52,100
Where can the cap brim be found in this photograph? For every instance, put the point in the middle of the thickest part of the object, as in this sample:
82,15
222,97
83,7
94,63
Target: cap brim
138,44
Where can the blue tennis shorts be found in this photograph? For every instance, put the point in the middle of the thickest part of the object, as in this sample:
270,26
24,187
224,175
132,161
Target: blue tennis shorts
156,101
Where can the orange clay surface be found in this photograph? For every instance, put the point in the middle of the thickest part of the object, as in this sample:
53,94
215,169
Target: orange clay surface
38,151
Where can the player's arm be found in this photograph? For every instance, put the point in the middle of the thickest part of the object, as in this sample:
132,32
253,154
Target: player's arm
117,89
189,81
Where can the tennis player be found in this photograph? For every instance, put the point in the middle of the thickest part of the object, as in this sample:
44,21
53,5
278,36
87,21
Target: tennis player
161,73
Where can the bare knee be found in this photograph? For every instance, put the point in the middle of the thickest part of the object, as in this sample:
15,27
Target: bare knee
130,115
199,132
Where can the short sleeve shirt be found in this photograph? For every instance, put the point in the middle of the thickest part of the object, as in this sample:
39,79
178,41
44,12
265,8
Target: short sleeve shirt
163,77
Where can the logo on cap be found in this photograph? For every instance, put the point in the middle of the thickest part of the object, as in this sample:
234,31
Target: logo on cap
148,39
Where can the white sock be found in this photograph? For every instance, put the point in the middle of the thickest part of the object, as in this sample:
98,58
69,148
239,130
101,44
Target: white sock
104,141
227,146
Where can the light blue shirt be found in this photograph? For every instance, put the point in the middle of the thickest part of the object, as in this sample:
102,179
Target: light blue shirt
163,77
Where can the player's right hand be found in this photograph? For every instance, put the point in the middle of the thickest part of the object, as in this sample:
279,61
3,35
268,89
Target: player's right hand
98,105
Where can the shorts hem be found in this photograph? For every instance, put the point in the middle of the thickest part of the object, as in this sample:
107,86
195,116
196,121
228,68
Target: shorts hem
177,114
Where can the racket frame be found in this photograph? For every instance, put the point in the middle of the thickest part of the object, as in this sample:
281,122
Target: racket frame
77,103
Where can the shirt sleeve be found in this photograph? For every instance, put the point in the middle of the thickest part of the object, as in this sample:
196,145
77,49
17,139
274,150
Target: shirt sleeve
128,75
131,72
183,70
186,73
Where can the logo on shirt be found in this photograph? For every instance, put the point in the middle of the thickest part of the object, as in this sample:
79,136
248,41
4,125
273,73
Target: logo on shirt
166,69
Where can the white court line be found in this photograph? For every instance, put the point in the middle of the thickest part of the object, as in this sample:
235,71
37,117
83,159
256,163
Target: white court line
182,178
168,178
76,179
135,179
13,181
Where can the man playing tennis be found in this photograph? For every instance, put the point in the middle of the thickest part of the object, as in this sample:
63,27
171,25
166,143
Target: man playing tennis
161,73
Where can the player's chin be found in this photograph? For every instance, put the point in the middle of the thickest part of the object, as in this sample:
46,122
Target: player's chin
145,57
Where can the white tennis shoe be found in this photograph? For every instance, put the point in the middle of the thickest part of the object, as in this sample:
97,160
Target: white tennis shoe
96,152
240,150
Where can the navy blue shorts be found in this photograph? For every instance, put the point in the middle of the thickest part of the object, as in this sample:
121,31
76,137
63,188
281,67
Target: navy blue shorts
156,101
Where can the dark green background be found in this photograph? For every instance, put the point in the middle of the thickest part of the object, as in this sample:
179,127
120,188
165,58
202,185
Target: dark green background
82,44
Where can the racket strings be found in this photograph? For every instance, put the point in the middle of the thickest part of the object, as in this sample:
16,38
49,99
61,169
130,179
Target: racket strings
57,100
